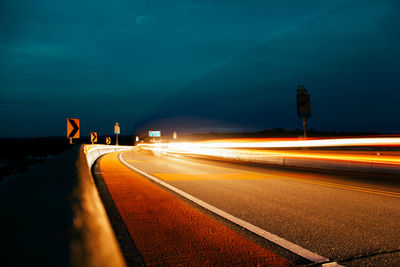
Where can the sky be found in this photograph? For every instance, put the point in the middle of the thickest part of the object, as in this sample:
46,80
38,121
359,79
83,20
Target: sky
197,65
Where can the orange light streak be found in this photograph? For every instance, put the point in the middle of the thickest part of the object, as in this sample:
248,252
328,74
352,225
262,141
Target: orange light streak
228,148
292,143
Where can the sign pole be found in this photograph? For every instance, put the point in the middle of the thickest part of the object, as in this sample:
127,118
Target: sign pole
303,106
70,140
117,131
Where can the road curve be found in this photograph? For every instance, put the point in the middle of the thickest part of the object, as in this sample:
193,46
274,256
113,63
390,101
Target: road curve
168,231
350,219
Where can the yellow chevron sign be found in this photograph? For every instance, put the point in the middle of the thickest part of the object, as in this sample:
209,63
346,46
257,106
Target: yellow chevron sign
73,128
108,140
93,137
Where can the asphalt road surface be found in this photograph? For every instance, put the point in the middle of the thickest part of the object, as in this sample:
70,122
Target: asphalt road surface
350,219
167,231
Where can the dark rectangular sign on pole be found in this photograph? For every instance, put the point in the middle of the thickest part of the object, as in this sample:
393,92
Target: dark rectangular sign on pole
303,105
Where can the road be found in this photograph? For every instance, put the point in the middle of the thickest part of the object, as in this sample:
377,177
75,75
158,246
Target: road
349,219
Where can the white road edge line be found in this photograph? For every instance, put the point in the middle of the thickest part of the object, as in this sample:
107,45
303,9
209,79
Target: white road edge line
302,252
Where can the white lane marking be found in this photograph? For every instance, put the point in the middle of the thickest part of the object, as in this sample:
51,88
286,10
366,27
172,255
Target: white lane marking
311,256
332,264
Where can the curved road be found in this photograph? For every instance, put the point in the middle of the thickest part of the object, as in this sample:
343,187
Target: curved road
350,219
154,227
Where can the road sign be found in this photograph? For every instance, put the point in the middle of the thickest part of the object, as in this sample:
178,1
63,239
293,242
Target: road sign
93,137
303,106
73,128
108,140
154,133
303,103
116,128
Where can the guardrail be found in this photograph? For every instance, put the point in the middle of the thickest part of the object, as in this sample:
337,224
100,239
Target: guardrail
93,152
97,244
52,214
371,163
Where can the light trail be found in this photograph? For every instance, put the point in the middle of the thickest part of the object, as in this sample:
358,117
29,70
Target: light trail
262,149
285,143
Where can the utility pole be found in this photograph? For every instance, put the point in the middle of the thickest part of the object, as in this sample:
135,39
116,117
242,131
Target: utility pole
303,106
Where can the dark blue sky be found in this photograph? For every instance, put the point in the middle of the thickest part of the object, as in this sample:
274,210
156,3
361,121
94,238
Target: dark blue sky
198,65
